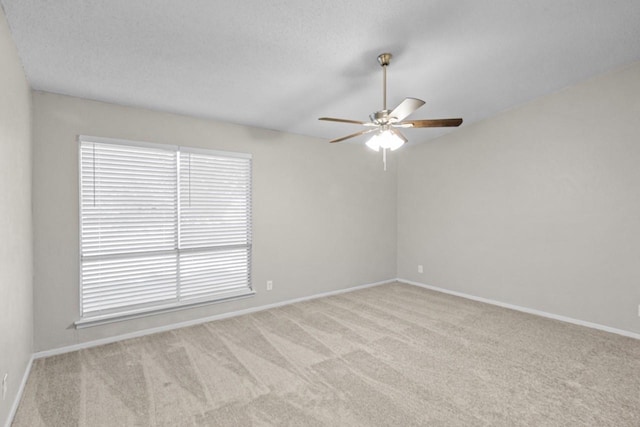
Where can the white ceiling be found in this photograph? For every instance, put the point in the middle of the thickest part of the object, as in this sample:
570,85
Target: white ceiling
281,64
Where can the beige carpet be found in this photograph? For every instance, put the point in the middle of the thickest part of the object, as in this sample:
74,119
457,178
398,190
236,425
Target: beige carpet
392,355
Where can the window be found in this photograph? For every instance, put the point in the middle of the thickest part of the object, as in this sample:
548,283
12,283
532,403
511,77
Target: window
161,227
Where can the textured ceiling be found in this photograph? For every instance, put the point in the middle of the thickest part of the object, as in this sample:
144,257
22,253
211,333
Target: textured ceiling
281,64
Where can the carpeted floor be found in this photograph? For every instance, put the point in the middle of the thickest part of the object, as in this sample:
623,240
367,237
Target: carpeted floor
394,355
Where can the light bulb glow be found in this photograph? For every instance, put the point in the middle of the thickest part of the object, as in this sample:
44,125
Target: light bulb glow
385,139
374,143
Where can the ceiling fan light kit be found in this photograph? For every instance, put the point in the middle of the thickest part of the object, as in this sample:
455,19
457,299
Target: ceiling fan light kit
386,123
385,139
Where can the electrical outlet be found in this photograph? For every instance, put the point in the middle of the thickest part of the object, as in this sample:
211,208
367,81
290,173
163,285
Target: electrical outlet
4,385
420,269
269,285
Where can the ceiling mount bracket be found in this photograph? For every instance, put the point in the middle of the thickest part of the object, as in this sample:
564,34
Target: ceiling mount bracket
384,59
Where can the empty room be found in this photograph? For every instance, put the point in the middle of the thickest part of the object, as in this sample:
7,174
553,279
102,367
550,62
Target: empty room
338,213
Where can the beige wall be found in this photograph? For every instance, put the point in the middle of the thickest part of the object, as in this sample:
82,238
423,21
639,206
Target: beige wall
538,207
323,216
16,267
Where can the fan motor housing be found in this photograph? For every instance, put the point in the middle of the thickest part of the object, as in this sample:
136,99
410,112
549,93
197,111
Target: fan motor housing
381,117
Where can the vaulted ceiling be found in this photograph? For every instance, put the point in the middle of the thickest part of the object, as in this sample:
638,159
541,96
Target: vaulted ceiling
281,64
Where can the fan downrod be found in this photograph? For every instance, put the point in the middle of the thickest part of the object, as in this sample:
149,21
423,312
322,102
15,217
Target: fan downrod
384,59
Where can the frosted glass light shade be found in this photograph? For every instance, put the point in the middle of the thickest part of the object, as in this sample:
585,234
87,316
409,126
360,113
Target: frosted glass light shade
373,143
385,139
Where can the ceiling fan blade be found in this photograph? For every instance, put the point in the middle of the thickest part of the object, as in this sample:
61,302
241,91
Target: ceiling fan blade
399,134
433,123
331,119
406,107
362,132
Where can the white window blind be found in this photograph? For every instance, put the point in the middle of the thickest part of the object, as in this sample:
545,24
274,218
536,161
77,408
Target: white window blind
161,226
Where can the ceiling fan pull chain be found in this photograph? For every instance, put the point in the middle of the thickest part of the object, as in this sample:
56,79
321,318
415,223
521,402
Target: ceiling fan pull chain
384,158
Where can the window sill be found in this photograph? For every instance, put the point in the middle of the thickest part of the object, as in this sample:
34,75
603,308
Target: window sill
98,320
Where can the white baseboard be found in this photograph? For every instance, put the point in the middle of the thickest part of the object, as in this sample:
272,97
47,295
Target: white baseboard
18,398
109,340
526,310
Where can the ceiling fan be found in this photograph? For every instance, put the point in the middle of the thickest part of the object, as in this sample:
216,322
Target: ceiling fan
386,123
